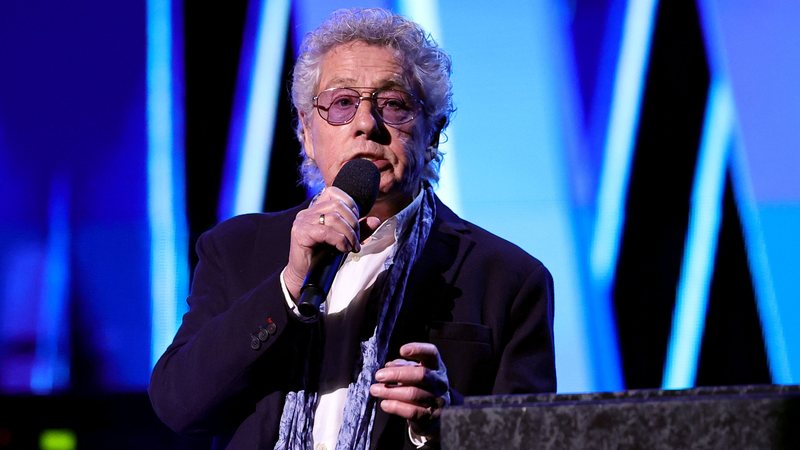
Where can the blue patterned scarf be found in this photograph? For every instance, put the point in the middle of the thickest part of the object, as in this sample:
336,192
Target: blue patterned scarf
297,419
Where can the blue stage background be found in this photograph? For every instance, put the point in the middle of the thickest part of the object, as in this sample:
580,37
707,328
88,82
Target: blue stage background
647,152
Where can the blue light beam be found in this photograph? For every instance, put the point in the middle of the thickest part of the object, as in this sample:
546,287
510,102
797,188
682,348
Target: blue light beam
701,241
253,122
50,370
169,276
771,311
619,145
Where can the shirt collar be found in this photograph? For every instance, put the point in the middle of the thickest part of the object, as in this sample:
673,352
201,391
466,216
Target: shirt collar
392,227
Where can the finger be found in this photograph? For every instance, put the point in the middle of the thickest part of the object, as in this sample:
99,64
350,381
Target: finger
371,222
309,231
402,372
410,411
335,222
335,194
331,222
401,362
329,209
425,353
404,393
433,381
407,395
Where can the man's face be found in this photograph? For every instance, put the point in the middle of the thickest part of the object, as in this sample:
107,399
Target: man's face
397,150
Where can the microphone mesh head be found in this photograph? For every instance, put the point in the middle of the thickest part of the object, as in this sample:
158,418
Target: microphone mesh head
360,179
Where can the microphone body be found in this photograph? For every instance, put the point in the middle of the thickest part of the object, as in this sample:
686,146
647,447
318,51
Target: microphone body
324,264
360,179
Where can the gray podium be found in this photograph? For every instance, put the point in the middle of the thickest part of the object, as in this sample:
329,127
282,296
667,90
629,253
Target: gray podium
741,417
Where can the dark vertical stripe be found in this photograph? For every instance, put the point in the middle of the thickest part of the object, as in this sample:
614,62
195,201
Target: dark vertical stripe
732,350
660,186
213,40
283,189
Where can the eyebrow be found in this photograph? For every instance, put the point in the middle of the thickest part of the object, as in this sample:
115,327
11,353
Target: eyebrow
349,82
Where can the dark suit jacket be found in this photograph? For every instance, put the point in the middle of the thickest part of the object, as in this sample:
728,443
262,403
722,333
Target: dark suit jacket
486,304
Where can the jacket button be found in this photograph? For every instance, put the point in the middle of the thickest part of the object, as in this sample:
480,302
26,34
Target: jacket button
255,343
263,335
271,328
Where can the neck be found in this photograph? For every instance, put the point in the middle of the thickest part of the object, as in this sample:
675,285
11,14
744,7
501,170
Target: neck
390,204
385,210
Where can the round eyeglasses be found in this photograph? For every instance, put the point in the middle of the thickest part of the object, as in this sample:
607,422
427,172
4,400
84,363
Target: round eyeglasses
338,106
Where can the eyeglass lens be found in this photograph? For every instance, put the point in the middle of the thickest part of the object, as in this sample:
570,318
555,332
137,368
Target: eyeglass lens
339,105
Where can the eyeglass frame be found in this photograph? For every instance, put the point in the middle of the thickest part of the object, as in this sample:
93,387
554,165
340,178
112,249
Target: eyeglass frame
419,104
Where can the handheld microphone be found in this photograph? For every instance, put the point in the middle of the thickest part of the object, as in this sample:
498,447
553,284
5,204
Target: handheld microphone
360,179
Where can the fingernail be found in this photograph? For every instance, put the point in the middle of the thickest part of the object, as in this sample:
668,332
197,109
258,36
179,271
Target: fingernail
380,375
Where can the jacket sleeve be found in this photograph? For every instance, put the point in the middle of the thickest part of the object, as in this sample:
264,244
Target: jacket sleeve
527,356
219,362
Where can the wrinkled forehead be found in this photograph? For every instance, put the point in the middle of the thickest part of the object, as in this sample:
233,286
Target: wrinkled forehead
358,63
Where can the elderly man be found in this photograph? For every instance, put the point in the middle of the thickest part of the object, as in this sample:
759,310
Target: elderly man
424,309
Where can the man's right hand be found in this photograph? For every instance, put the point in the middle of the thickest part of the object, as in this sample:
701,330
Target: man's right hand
331,219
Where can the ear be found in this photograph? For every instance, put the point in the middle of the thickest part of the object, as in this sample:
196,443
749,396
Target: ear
308,143
436,134
434,142
440,124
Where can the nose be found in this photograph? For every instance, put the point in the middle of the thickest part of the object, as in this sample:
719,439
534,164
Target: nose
366,119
